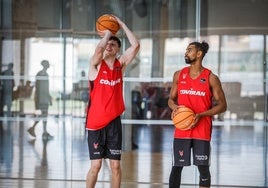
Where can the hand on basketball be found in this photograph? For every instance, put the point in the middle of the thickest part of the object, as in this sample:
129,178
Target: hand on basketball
196,119
105,32
174,112
118,20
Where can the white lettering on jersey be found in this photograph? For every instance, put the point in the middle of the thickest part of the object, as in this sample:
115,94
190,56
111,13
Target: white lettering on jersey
110,83
192,92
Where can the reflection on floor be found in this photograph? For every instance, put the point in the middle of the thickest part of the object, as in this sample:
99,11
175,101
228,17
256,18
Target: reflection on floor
239,156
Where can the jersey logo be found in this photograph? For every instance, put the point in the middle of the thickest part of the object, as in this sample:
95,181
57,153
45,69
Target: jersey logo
96,145
192,92
202,80
181,153
110,83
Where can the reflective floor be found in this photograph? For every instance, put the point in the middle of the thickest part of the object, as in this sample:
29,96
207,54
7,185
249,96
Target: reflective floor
238,156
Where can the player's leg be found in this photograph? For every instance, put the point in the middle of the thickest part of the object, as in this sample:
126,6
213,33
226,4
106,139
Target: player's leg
96,153
175,177
114,145
31,130
92,175
182,157
204,179
44,114
116,173
201,152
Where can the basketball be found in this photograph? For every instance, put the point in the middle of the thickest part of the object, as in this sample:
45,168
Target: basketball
183,117
107,22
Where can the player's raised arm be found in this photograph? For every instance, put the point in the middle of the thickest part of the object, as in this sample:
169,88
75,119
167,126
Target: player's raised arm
132,51
98,54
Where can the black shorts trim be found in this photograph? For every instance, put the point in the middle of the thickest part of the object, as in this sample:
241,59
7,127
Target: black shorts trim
182,149
106,142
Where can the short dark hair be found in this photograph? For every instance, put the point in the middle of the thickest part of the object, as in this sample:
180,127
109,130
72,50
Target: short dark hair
202,46
116,39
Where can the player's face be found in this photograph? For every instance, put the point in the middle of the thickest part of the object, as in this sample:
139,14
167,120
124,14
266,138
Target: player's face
190,54
112,47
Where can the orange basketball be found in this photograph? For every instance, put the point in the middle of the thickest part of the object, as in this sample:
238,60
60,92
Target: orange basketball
107,22
183,117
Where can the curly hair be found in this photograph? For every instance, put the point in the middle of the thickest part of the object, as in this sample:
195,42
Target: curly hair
202,46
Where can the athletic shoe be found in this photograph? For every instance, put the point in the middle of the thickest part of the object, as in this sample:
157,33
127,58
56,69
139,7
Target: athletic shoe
31,132
47,136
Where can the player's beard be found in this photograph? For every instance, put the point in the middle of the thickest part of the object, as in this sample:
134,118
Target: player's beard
189,61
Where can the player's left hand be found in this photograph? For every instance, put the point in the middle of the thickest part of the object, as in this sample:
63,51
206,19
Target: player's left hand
120,22
196,119
105,32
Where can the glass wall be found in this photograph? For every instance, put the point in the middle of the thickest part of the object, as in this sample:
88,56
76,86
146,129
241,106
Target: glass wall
63,33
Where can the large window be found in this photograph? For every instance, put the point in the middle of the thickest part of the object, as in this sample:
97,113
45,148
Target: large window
63,32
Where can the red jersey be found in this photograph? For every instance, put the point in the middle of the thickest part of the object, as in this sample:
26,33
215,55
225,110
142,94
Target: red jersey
195,94
106,96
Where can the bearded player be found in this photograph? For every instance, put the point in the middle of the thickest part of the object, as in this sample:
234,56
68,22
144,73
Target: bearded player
195,87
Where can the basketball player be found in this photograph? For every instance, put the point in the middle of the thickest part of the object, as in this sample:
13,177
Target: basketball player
106,103
195,86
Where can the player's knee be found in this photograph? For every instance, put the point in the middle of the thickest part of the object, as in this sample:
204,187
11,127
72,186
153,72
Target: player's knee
115,166
205,179
96,166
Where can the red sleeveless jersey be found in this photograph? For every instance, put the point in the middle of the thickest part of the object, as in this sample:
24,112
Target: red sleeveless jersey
195,94
106,97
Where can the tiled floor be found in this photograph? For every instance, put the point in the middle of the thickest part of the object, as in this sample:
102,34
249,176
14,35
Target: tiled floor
239,156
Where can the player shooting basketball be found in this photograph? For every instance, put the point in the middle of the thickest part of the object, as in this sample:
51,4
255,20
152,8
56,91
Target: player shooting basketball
106,103
195,86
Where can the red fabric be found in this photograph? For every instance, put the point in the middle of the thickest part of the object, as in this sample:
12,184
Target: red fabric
195,94
106,97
